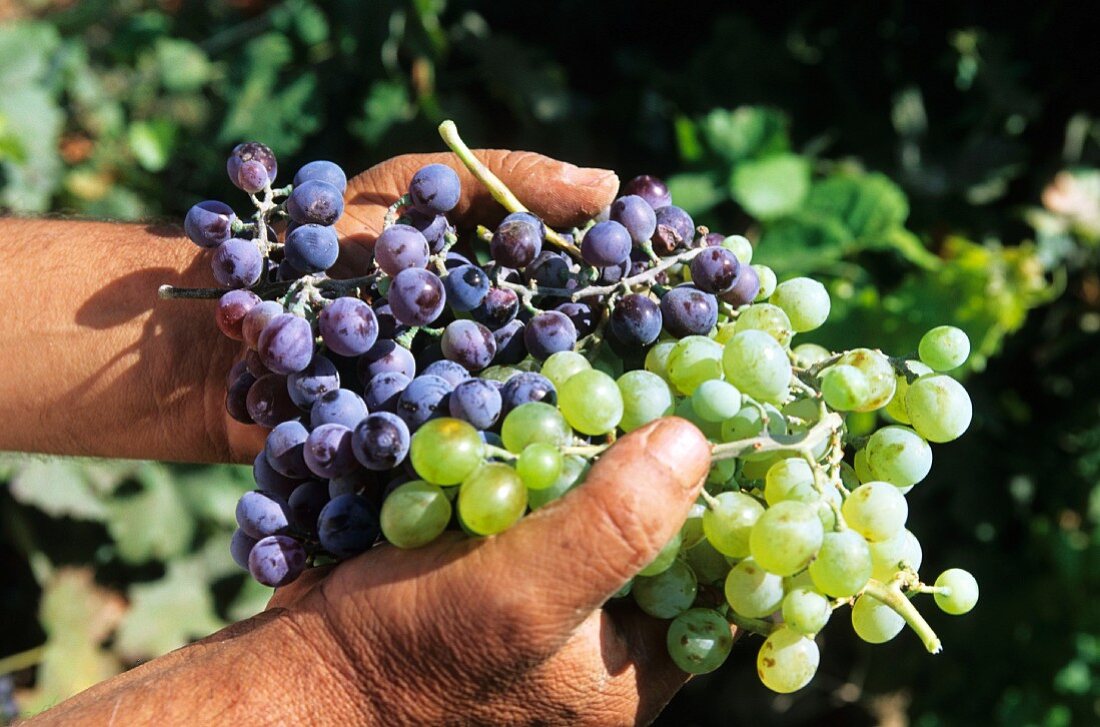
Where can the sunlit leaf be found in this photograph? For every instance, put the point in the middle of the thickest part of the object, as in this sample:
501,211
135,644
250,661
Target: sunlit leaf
58,488
155,522
771,187
747,132
696,193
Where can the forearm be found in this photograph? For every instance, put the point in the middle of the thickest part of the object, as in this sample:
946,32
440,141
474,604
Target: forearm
94,363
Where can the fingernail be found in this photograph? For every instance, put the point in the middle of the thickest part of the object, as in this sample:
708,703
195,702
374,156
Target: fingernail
679,445
588,176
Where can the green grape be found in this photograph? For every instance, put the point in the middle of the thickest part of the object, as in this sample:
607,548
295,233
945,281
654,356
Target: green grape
498,373
939,407
757,365
757,469
843,565
880,376
685,410
786,537
896,408
874,621
534,422
656,359
887,555
721,471
898,455
848,476
725,332
959,591
753,592
862,469
414,514
845,387
944,348
625,590
562,365
767,281
728,521
492,499
740,247
913,556
805,301
444,451
716,400
539,465
787,661
646,397
790,479
806,611
664,559
805,409
667,594
699,640
573,470
591,402
767,318
691,532
807,354
693,360
608,362
876,510
709,565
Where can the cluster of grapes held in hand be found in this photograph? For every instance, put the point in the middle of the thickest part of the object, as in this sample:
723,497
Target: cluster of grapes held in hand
460,390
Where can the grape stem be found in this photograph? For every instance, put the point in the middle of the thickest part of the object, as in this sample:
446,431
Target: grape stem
492,182
390,219
893,597
271,290
500,453
820,432
753,625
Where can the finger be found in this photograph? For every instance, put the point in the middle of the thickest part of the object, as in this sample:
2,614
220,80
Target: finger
576,552
562,194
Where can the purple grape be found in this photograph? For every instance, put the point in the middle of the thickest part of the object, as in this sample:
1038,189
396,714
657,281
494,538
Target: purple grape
516,242
416,297
510,346
270,481
277,561
353,483
386,356
467,286
422,399
688,311
323,171
382,391
715,270
240,545
526,387
455,259
252,176
582,314
549,332
338,407
400,247
285,272
499,307
435,189
311,248
254,365
614,273
237,263
305,504
435,229
652,189
476,401
713,239
232,308
675,229
269,403
260,514
209,223
236,397
307,385
606,244
348,525
257,319
636,320
348,326
451,372
250,151
745,288
286,344
468,343
238,368
550,270
636,215
381,441
315,202
328,451
284,450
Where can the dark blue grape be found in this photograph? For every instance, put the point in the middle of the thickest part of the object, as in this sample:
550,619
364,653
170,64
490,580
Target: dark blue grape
254,365
285,272
422,399
688,311
388,327
260,514
636,320
209,223
236,397
232,308
237,263
305,504
713,239
277,560
745,289
606,244
549,332
583,315
284,449
312,248
416,297
386,356
510,345
652,189
315,202
529,217
382,391
435,229
348,326
526,387
348,525
400,247
269,403
675,229
250,151
252,177
476,401
381,441
240,545
450,371
286,344
636,215
268,480
550,270
715,270
516,242
469,344
328,450
323,171
467,286
355,482
307,385
455,259
435,189
342,406
613,274
499,307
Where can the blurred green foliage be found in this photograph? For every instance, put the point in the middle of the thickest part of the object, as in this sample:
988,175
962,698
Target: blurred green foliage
931,167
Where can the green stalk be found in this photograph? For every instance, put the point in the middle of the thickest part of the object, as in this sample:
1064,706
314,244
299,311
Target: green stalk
895,599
